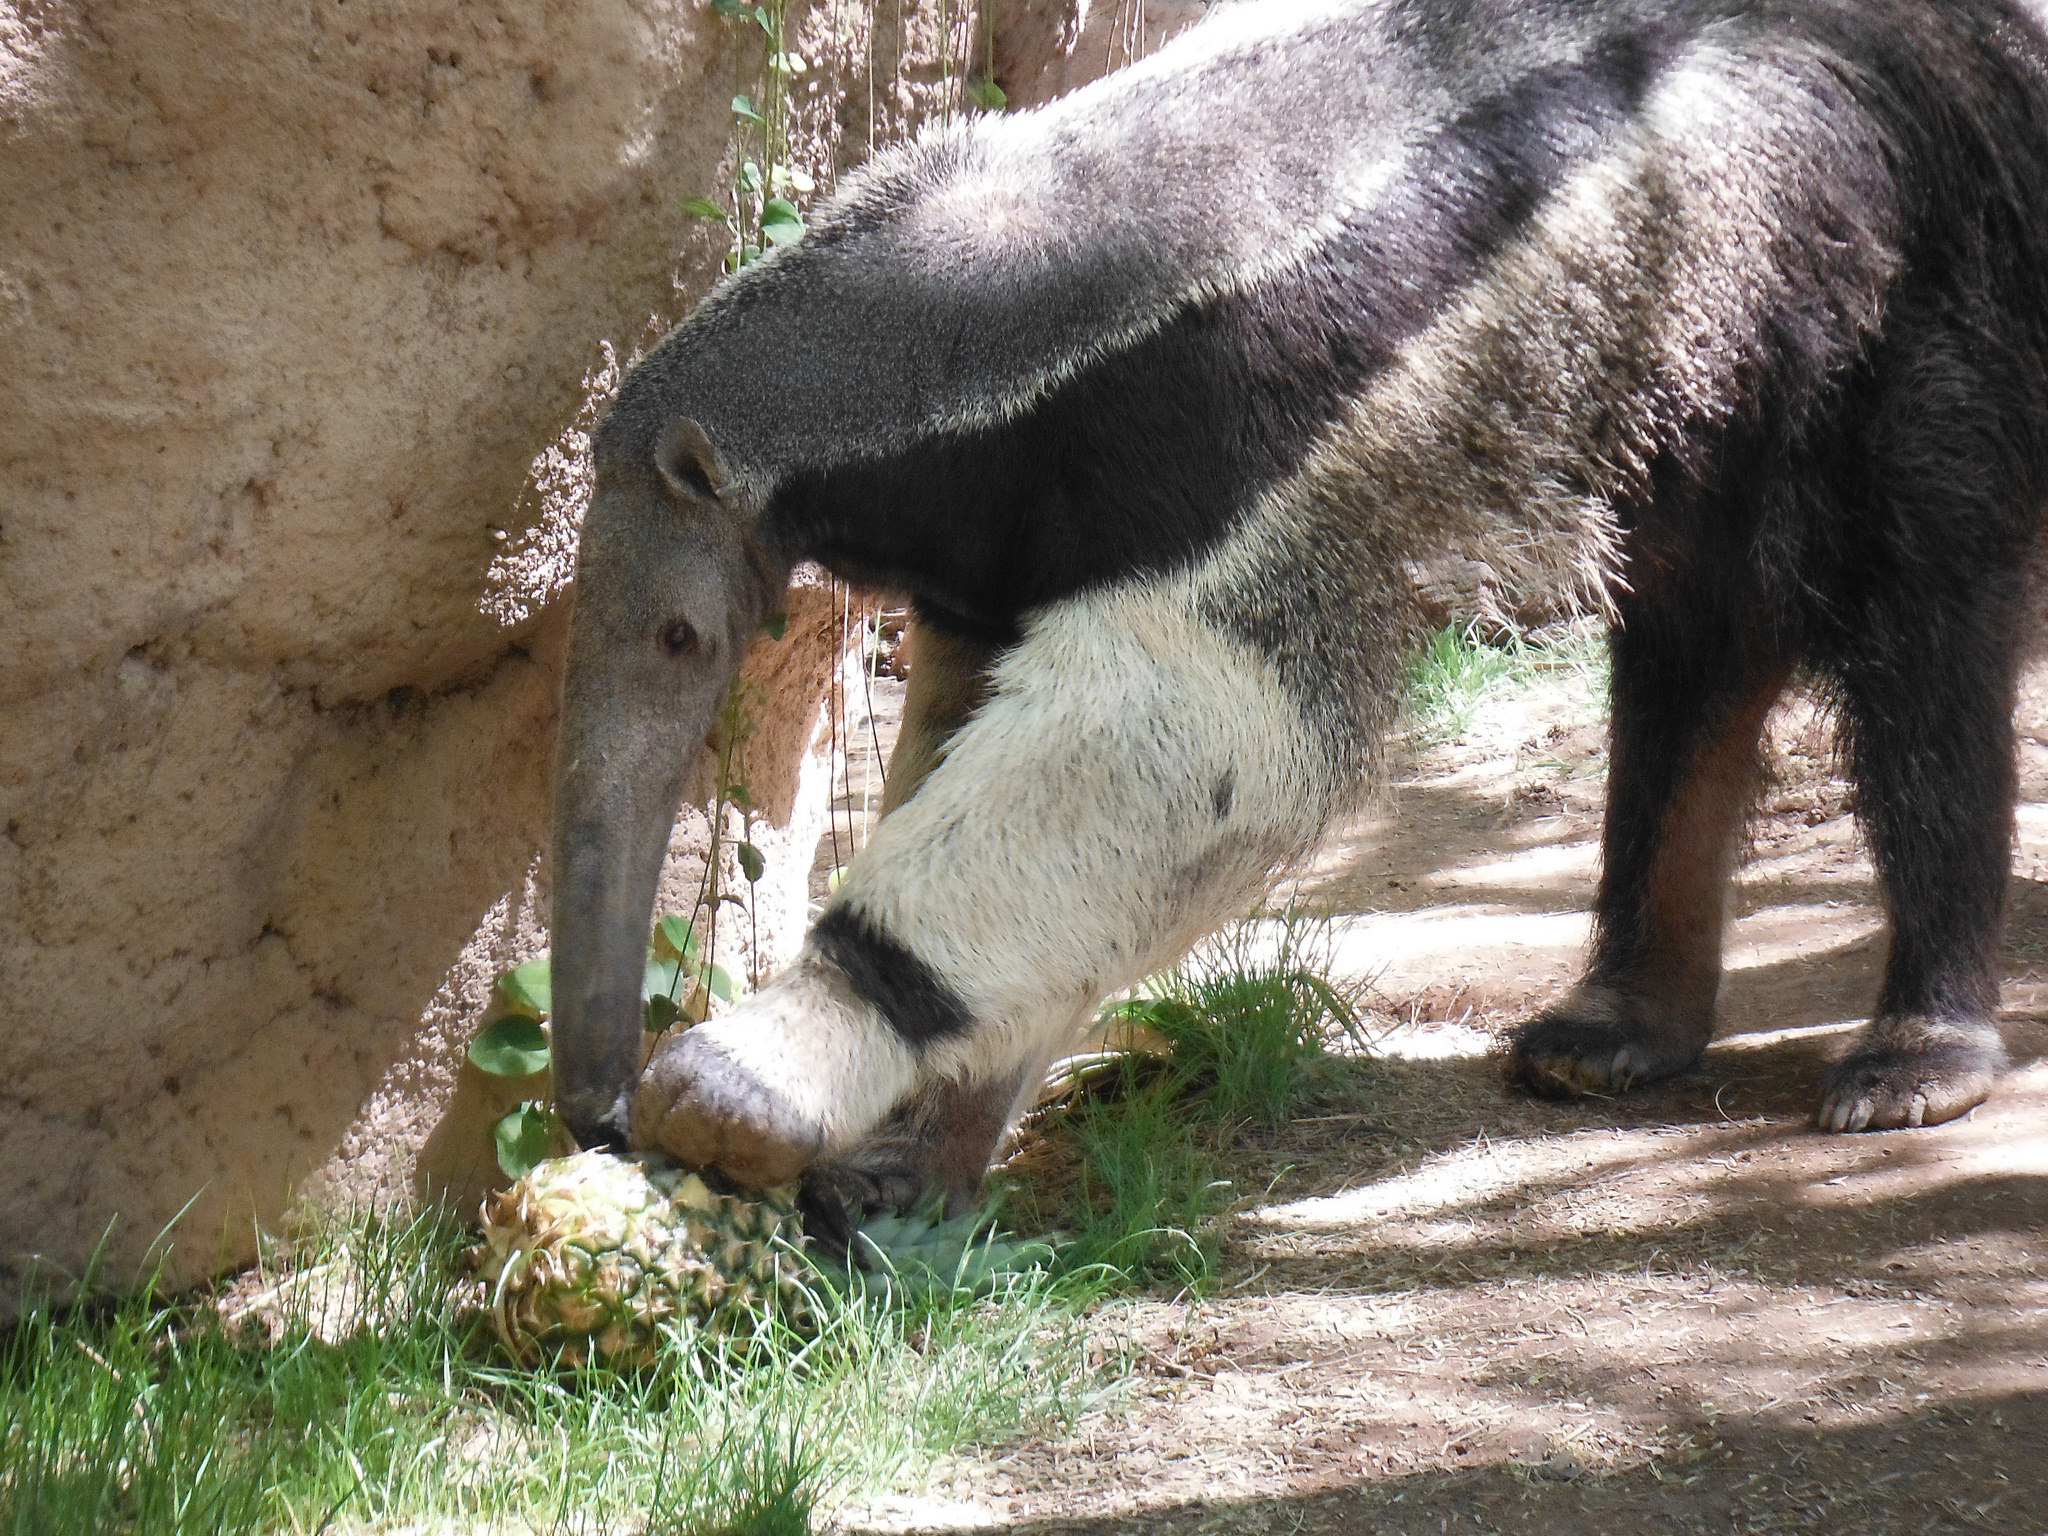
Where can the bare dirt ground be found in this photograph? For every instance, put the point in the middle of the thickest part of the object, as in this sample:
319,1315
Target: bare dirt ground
1449,1308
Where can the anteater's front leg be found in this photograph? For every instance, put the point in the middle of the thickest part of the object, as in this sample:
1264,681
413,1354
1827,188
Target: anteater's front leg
1132,781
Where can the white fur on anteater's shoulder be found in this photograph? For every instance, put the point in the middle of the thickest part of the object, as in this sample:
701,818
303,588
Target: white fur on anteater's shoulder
1135,780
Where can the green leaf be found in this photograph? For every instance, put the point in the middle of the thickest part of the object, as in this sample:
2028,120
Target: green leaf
523,1138
788,63
781,224
660,1012
715,978
749,254
528,988
738,795
761,15
732,8
678,935
703,208
777,625
1166,1013
743,106
751,862
512,1047
987,95
660,980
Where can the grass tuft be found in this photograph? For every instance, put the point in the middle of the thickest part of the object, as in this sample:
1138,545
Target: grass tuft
1144,1205
1251,1020
1464,667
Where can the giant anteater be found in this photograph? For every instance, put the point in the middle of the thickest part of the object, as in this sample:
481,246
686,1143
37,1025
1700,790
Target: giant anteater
1730,316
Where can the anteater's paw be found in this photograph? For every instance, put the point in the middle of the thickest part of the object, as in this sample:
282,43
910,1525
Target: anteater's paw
798,1073
1910,1073
707,1110
868,1185
1597,1041
943,1139
882,1178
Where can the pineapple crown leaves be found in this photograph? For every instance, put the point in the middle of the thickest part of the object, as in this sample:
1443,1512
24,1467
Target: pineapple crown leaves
921,1255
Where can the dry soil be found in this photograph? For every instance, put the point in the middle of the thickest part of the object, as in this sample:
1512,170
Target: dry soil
1452,1309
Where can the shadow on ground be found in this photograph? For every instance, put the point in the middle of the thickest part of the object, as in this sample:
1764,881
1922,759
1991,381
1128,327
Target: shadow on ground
1896,1477
1447,1306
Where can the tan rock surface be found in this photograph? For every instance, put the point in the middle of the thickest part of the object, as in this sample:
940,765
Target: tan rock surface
299,316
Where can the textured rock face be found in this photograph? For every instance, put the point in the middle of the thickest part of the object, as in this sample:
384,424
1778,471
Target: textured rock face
299,316
288,310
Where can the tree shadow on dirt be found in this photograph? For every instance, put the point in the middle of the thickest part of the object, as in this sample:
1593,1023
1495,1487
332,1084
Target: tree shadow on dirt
1435,830
1953,1469
1411,861
1438,1173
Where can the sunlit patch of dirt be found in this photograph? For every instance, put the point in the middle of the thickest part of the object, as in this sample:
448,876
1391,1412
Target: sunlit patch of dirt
1449,1308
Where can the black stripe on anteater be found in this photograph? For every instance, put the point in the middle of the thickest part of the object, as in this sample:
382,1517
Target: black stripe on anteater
912,996
1147,457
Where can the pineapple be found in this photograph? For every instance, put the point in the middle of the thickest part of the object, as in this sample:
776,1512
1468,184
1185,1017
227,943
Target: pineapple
586,1258
920,1251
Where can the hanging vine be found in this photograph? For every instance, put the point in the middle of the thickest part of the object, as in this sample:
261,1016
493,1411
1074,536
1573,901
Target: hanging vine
760,208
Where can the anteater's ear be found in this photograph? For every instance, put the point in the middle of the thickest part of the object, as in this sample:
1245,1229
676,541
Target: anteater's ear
687,460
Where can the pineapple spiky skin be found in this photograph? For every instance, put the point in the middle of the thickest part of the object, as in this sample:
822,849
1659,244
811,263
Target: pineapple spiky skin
588,1258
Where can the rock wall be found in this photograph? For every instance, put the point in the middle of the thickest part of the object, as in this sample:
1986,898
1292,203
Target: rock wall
303,319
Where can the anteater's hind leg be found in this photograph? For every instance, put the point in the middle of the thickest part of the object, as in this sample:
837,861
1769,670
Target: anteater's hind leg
1690,693
1925,684
1931,748
1918,629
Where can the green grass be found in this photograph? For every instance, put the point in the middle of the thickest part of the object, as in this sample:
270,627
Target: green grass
1145,1202
347,1388
148,1416
1463,668
1251,1026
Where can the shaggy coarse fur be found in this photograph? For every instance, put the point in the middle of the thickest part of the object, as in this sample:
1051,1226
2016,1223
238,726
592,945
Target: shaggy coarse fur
1728,317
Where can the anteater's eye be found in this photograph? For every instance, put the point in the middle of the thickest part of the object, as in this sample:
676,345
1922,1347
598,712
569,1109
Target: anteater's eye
679,638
